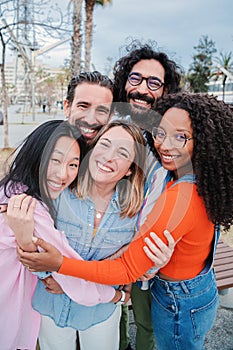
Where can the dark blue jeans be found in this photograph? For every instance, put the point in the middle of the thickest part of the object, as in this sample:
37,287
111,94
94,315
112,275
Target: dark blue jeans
183,312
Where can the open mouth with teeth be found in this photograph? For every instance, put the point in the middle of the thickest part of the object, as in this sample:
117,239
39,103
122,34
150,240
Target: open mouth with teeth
54,186
88,131
167,158
104,168
141,103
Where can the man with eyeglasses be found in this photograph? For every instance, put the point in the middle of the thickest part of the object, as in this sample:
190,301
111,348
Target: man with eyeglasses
140,77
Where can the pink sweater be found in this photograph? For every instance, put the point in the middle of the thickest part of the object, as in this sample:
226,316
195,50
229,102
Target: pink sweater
19,323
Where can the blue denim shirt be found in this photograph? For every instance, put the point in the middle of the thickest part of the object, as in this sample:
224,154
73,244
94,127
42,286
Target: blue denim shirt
75,217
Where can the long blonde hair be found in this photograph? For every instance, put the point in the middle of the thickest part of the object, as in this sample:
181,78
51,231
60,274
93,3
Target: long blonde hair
130,188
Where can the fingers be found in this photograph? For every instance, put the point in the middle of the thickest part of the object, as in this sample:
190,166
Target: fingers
25,255
3,208
151,255
170,239
127,297
49,259
15,202
163,248
27,259
21,204
28,206
157,251
42,244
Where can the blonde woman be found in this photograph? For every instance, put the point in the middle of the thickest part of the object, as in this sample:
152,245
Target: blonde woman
98,218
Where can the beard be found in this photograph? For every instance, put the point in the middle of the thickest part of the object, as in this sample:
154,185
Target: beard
147,119
144,117
138,113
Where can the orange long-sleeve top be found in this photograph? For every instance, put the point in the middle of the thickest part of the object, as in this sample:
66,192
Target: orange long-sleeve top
181,211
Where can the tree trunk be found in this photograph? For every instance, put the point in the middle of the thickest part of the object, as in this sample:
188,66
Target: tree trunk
4,96
223,87
89,8
75,64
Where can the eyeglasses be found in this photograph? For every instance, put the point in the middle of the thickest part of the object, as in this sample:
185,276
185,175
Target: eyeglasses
153,83
178,140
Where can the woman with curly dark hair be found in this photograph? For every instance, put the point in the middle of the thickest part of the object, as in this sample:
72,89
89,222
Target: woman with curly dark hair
194,141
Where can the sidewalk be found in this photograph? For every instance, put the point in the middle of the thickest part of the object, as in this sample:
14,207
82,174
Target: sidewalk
220,336
21,123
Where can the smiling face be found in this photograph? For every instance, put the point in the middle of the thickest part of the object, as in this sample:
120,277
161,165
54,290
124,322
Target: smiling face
141,97
63,165
90,109
112,156
176,123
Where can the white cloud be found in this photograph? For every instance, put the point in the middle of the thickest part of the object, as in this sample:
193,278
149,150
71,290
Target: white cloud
176,25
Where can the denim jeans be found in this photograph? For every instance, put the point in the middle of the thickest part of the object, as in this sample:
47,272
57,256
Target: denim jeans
183,312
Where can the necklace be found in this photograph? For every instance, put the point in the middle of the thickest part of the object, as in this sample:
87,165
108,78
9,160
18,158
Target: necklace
98,215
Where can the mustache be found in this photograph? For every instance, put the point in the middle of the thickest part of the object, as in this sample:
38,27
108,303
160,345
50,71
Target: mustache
138,96
96,126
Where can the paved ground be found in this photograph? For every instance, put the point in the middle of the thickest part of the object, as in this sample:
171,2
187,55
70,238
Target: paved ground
21,123
220,336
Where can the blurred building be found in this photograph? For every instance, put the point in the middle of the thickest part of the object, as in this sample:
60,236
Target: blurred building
46,81
217,87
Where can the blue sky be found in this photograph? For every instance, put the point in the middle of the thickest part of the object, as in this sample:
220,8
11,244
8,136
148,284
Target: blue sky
176,26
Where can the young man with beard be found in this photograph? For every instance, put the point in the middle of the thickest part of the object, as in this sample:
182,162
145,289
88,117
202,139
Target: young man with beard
140,77
88,104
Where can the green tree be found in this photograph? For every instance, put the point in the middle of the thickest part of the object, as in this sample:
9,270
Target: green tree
200,70
223,68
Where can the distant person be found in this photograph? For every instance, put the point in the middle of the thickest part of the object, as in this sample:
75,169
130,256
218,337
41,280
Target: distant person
1,118
44,105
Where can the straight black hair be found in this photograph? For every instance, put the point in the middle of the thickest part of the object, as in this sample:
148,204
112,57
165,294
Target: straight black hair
29,168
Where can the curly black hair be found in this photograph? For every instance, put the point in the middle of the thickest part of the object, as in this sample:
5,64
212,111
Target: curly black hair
137,51
212,124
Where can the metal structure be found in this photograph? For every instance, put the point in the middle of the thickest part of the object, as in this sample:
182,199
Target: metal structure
26,49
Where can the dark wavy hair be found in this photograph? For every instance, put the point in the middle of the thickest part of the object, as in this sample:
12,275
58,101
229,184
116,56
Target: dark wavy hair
94,77
212,124
30,165
136,51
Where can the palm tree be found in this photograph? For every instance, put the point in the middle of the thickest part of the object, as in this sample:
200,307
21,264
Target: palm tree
89,8
75,64
224,68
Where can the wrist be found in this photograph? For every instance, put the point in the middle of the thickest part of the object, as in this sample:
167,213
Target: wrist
121,301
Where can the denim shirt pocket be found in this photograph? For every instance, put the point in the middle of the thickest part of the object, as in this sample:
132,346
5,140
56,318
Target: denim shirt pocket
73,233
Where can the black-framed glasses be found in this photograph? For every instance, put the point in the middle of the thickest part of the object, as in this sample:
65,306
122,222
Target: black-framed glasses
178,140
153,83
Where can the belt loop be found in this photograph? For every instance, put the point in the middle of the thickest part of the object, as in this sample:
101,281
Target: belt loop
183,286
